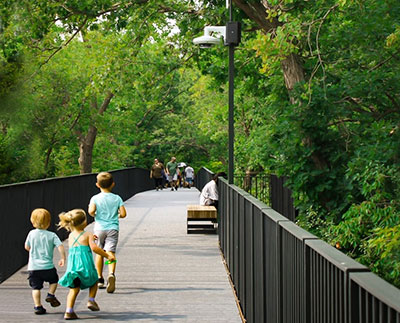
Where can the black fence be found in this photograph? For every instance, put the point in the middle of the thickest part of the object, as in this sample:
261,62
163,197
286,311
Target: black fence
271,190
256,184
283,274
281,197
56,195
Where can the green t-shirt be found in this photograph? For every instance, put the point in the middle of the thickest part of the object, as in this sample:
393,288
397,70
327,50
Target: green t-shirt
107,206
42,244
172,168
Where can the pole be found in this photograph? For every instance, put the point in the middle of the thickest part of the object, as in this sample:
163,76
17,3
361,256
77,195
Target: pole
231,135
231,72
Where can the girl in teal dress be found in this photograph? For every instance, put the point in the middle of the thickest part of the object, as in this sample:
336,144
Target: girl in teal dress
81,272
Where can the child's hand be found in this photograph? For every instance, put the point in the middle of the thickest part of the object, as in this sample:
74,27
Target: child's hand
61,262
111,257
95,237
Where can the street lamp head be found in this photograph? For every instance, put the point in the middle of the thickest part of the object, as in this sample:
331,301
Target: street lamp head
212,36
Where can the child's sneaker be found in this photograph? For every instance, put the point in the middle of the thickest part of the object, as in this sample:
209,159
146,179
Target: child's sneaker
54,302
92,305
111,283
39,310
100,283
70,316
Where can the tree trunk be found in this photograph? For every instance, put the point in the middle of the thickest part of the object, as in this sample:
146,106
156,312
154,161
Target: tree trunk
292,71
292,67
86,142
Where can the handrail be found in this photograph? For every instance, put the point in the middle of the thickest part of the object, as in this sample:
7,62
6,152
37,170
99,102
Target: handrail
284,274
56,195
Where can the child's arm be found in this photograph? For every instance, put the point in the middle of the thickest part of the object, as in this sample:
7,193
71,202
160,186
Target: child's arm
122,211
96,249
61,250
92,209
27,244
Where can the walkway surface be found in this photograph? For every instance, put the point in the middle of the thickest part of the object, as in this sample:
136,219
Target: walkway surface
163,274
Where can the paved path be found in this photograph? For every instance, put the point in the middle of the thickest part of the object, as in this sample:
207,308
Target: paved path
163,274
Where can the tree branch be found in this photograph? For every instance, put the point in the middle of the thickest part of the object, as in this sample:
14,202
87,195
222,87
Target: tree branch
106,102
258,12
65,44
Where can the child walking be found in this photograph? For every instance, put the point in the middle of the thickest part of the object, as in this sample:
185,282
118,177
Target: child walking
41,243
81,272
106,208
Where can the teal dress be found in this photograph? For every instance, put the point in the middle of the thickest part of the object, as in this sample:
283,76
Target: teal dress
81,271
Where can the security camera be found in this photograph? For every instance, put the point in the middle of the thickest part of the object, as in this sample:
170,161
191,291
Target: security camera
206,41
212,36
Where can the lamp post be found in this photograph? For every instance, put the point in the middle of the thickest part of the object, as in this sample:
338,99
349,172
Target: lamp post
231,35
232,39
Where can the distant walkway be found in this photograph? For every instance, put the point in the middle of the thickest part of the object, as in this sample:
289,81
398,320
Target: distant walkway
163,274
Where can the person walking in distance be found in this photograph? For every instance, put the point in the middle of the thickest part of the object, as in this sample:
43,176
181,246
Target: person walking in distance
172,172
157,174
106,208
189,175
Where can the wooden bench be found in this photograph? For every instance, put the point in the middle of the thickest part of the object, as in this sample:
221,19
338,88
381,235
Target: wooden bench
198,215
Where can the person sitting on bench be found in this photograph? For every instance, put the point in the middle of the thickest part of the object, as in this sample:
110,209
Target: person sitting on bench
209,193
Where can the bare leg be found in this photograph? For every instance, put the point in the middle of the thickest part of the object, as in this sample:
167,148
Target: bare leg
71,298
111,267
52,288
91,304
111,276
36,297
93,291
99,265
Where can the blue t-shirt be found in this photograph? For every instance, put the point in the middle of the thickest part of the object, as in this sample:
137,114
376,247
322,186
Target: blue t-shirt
41,244
107,206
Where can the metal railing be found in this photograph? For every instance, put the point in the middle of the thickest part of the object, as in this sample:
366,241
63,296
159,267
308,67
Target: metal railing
271,190
257,185
283,274
56,195
281,198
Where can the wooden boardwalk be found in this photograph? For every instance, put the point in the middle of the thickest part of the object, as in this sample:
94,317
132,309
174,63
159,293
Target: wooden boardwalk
163,274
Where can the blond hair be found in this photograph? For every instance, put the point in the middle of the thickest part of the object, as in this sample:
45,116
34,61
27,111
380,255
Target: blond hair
105,180
40,218
73,219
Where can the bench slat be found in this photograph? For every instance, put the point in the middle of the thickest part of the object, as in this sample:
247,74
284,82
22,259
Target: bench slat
201,211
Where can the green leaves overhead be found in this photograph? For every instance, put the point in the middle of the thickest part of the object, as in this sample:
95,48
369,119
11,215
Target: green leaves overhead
317,97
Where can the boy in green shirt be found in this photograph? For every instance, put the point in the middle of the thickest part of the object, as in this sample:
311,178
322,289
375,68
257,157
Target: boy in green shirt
106,208
41,243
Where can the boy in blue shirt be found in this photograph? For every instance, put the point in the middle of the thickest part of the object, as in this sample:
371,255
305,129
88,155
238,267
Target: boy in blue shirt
41,243
106,208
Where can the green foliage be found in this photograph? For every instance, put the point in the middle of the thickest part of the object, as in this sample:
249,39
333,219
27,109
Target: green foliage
7,165
383,253
335,134
336,137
